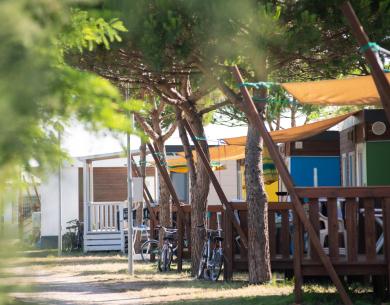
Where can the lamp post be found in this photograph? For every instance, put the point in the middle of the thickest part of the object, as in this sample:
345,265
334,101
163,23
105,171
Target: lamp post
59,201
129,198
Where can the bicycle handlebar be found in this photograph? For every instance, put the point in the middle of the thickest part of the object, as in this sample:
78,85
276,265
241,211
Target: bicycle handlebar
166,229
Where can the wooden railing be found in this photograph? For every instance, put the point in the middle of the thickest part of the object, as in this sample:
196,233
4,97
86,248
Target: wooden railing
103,216
356,225
353,225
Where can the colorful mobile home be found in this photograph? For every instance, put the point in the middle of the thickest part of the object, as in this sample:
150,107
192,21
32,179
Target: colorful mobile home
271,187
365,149
314,161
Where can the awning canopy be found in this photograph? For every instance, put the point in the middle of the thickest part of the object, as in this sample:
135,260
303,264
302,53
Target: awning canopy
296,133
217,154
235,148
360,90
223,153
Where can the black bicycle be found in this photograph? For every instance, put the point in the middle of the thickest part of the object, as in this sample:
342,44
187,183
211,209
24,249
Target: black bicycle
150,250
168,249
211,262
73,239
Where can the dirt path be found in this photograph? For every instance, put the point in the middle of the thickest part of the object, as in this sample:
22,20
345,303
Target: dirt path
103,279
68,284
69,289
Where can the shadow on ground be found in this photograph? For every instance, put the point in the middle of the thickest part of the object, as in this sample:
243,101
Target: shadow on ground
309,298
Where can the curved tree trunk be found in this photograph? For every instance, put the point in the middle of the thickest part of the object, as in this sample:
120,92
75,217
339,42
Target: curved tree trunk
140,208
293,116
165,206
200,185
258,243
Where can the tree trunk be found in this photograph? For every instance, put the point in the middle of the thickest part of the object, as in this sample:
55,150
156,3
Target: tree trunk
140,208
293,116
200,185
258,244
165,206
278,123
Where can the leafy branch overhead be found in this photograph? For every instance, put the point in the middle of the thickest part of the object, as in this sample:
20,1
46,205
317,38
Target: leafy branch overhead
43,92
87,32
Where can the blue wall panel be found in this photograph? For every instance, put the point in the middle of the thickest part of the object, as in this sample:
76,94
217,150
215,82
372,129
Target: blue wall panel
328,170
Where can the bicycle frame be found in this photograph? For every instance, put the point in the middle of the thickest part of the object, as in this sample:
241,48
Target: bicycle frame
75,230
212,255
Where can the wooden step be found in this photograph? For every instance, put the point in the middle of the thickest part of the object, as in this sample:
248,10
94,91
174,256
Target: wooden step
103,236
102,241
103,248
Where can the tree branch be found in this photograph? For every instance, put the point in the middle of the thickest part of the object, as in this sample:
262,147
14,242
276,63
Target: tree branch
214,107
186,146
170,131
145,126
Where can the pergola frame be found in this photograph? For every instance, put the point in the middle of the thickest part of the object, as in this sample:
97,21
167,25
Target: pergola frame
377,72
300,217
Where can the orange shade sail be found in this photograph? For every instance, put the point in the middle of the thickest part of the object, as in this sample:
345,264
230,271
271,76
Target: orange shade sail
360,90
296,133
235,148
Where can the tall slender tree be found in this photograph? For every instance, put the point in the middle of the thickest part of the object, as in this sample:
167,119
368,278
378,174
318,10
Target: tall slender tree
159,129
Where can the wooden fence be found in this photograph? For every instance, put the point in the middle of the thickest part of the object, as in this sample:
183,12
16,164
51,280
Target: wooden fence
353,225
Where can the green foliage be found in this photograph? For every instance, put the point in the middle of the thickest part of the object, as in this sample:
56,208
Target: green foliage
87,32
39,92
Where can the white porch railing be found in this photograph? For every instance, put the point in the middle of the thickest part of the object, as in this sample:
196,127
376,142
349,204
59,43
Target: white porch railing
103,216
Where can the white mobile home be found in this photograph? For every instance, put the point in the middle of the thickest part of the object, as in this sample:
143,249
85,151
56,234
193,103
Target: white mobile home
106,194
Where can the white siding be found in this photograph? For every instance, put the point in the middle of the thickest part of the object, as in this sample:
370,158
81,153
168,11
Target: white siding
228,180
50,200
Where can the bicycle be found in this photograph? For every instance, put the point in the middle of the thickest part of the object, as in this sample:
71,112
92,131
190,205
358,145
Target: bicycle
149,249
211,262
73,238
164,256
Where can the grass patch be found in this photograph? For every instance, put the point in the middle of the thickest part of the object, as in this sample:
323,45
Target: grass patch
104,273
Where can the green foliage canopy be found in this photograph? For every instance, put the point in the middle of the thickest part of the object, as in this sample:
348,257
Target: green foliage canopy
39,92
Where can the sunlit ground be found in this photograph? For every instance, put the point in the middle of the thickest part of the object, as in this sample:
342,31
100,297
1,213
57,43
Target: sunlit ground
103,279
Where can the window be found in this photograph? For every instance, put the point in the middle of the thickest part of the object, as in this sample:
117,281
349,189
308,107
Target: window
180,183
344,168
29,204
241,194
359,168
351,169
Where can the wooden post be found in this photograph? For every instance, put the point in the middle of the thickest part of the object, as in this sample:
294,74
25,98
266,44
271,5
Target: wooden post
378,74
386,232
314,216
369,229
228,255
272,234
225,203
297,260
333,229
351,208
258,122
86,203
175,199
147,196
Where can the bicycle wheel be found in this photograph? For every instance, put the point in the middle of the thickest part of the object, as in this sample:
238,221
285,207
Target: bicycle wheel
215,267
149,248
202,263
80,242
67,243
163,262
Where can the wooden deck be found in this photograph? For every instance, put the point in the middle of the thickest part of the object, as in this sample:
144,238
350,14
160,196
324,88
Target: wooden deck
361,215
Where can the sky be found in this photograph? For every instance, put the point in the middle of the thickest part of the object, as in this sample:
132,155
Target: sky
78,141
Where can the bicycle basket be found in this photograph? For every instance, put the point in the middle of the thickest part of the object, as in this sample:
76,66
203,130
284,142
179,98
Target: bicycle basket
215,234
170,235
